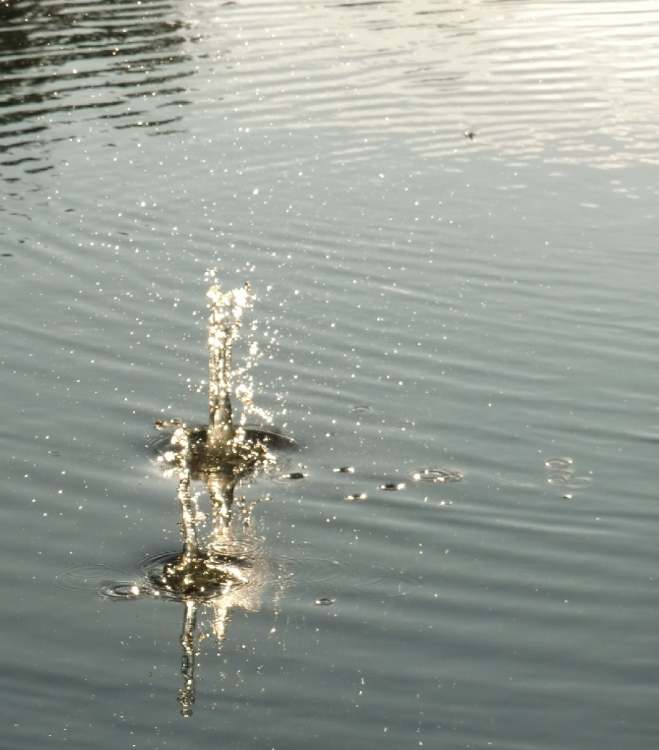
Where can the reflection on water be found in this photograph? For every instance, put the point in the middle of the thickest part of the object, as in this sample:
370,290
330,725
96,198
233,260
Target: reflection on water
62,66
221,566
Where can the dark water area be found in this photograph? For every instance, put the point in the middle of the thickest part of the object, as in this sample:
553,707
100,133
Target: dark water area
448,214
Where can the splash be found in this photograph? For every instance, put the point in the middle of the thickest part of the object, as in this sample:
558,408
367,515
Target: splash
224,321
216,568
227,310
221,566
230,447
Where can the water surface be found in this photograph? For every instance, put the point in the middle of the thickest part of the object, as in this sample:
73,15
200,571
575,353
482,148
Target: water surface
447,211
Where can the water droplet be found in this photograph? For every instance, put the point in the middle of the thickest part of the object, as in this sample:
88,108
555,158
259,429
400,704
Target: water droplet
294,475
392,486
324,601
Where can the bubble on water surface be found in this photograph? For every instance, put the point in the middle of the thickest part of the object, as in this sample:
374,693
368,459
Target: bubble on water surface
356,497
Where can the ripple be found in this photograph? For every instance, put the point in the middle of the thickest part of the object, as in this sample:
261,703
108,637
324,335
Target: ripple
452,82
562,471
89,577
565,463
62,65
437,476
160,444
524,81
208,575
122,591
361,409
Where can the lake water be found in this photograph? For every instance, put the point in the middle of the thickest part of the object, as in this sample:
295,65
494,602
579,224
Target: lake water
448,214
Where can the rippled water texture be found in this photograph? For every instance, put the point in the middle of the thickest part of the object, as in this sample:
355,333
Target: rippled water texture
447,212
578,78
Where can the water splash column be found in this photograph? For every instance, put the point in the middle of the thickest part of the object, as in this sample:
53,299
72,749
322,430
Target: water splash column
226,312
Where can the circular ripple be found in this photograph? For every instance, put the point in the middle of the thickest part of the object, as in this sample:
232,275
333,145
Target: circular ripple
564,463
161,444
205,576
122,591
437,476
89,577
